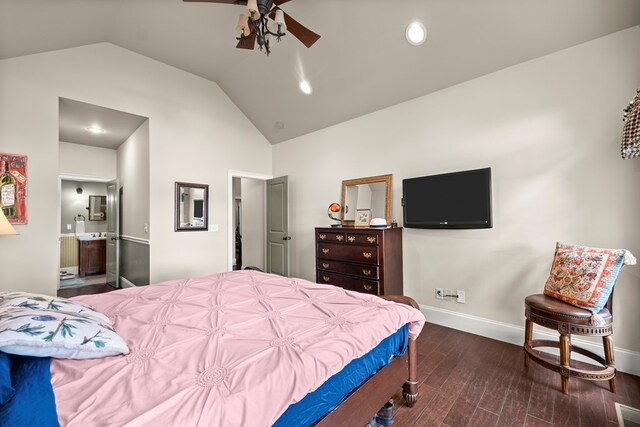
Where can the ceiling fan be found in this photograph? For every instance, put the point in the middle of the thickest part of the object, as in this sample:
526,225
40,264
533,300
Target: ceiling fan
264,20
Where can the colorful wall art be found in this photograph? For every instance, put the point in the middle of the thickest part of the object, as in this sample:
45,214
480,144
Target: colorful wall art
13,187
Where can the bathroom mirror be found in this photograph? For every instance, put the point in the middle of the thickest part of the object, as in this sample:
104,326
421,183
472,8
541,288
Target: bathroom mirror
372,193
192,203
97,208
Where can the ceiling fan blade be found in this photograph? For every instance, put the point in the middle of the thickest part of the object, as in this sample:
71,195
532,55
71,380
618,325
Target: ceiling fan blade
299,31
280,2
241,2
248,43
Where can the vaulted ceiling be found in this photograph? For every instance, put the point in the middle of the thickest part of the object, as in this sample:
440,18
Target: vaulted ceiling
361,64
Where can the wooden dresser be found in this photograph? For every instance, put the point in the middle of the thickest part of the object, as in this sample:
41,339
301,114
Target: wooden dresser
366,260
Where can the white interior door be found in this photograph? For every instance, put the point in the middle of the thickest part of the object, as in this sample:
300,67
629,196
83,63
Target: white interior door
113,235
278,226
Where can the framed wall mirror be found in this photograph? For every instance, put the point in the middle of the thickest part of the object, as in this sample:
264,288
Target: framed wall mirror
97,208
371,193
192,207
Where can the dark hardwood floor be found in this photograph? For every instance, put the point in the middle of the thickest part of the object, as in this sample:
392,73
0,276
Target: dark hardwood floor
85,290
468,380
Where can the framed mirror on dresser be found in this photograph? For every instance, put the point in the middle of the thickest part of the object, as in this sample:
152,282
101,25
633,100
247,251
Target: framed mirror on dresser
358,255
370,196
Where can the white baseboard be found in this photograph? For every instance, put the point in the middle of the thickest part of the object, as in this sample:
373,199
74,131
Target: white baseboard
124,283
626,360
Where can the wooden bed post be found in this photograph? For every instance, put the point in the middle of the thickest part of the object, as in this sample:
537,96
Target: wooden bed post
410,387
358,408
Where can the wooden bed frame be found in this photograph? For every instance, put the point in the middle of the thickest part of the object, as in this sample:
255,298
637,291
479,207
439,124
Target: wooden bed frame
364,402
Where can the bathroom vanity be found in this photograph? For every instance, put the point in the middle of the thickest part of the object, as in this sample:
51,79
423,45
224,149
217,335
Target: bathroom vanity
92,256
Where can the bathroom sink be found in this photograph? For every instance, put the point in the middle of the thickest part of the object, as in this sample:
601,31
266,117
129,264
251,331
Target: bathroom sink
91,236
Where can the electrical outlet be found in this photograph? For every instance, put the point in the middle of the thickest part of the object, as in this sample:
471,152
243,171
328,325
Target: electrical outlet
461,297
439,293
448,293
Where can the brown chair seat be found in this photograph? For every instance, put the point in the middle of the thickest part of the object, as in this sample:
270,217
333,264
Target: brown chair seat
567,319
562,311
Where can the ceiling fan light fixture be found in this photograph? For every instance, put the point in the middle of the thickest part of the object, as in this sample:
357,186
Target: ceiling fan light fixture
243,25
305,87
252,8
279,19
416,33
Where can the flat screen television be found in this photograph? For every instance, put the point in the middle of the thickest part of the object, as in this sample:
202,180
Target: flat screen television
450,200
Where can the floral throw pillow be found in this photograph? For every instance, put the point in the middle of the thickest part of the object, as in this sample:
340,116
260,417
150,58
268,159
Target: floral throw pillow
584,276
61,334
46,302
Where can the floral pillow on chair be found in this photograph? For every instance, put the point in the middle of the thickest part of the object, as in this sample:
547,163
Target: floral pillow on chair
584,276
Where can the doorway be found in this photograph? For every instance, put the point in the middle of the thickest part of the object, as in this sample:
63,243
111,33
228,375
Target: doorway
249,223
99,144
82,231
251,216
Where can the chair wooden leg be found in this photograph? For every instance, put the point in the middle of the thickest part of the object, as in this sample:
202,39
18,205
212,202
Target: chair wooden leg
528,333
607,342
565,354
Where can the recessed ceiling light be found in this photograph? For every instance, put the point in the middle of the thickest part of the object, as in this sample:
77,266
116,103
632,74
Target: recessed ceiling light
416,33
95,129
305,87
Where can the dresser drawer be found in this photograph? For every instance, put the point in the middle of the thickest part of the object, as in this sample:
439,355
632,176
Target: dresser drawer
363,254
330,236
365,271
362,239
349,283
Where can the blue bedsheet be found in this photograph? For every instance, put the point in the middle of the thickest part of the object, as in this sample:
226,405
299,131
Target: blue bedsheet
33,403
329,395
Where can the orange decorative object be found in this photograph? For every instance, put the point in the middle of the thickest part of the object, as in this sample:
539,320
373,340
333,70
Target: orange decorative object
334,208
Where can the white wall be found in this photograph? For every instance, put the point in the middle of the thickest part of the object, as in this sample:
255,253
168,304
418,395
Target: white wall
133,178
253,222
550,130
196,134
86,161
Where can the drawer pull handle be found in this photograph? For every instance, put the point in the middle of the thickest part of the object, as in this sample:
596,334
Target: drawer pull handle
352,238
371,239
322,236
325,251
325,265
368,287
367,255
366,272
339,237
326,278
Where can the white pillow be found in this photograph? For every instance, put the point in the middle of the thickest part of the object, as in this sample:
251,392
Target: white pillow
61,334
47,302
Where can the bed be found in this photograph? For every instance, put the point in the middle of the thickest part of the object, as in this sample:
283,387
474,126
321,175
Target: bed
242,348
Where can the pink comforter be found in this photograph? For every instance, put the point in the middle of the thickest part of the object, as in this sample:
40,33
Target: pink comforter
230,349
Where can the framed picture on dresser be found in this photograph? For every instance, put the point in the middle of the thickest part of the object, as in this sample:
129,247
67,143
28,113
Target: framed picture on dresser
363,217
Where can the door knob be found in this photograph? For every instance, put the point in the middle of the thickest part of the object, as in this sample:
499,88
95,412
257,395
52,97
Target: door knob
286,238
